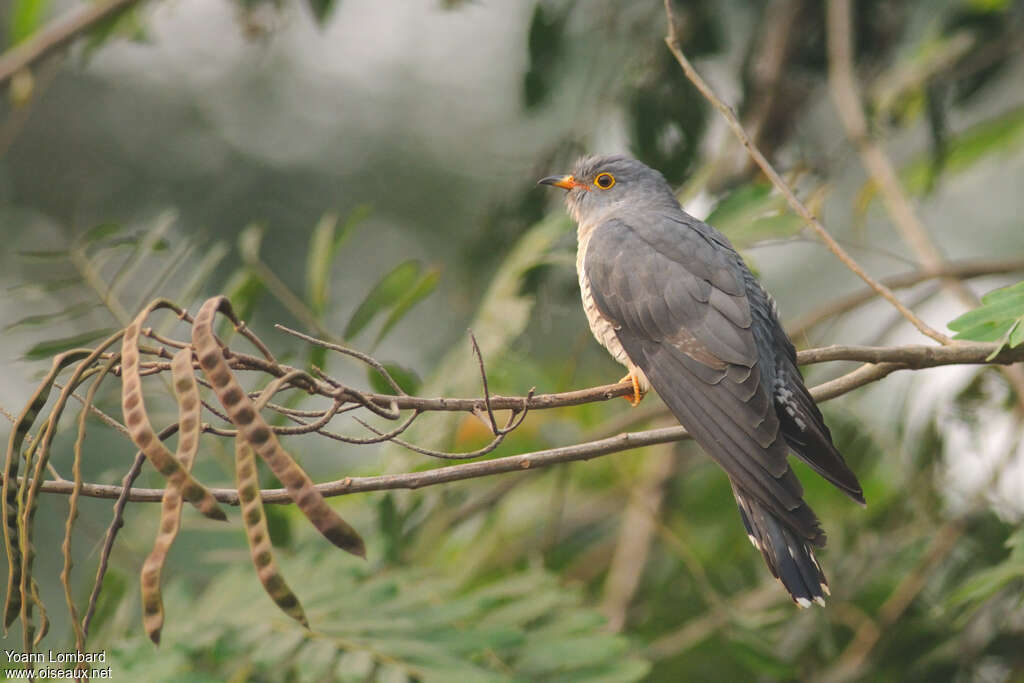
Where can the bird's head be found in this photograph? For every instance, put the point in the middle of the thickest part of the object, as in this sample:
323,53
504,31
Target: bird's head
598,184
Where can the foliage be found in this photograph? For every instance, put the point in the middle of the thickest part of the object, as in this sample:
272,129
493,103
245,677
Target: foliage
102,268
25,17
408,624
506,578
1000,317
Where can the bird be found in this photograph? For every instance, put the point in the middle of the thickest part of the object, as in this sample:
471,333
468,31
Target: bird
672,300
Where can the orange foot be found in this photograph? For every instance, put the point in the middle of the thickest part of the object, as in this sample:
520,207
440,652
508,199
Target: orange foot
638,393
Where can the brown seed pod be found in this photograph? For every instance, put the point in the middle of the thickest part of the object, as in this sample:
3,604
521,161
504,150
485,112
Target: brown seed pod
186,391
141,430
255,431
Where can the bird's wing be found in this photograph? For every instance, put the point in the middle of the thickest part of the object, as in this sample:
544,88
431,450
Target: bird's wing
679,306
801,422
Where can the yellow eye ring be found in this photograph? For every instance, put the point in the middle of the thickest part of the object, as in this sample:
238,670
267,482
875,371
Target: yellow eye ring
605,181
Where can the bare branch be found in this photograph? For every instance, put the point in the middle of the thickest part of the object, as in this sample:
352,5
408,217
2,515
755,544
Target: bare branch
416,480
846,95
359,355
882,361
961,270
908,224
123,496
56,35
636,533
908,356
672,40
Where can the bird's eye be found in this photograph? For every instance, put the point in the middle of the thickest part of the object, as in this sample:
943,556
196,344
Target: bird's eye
604,180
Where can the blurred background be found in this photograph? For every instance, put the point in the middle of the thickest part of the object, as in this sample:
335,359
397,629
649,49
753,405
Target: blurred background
366,170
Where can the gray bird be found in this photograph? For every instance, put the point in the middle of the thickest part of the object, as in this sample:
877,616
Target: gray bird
672,300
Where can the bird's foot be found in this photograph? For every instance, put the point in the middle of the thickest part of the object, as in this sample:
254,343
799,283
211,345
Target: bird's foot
638,392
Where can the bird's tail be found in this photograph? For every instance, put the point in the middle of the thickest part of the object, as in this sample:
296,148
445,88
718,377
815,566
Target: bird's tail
789,557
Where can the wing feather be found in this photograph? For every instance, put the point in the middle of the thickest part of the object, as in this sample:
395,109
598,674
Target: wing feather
681,313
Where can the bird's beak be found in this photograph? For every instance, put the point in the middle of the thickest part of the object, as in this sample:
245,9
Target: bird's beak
566,182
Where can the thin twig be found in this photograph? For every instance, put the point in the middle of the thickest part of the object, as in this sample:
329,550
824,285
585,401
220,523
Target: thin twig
497,431
636,533
889,360
106,419
672,40
910,356
961,270
499,437
283,293
414,480
852,661
483,379
359,355
845,93
56,35
965,352
380,438
80,260
115,525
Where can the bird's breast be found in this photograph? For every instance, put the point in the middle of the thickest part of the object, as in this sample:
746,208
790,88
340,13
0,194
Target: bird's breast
602,328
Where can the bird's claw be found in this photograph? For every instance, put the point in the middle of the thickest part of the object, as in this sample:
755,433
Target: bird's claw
638,393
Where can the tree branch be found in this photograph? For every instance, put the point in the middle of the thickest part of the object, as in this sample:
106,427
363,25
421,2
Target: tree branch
56,35
852,661
962,270
672,40
881,362
843,84
846,95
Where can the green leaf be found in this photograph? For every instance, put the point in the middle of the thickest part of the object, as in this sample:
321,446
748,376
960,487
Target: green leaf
503,314
998,306
986,582
983,584
753,213
69,313
200,274
759,659
106,236
317,661
355,217
738,203
386,293
988,5
321,10
116,587
44,255
324,246
614,671
99,232
319,261
545,44
997,136
397,623
26,17
1016,335
160,244
45,286
420,291
244,290
998,318
520,613
125,23
544,656
404,377
52,347
318,357
249,241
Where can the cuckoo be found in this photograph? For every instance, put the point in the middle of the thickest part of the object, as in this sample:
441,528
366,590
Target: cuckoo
670,298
